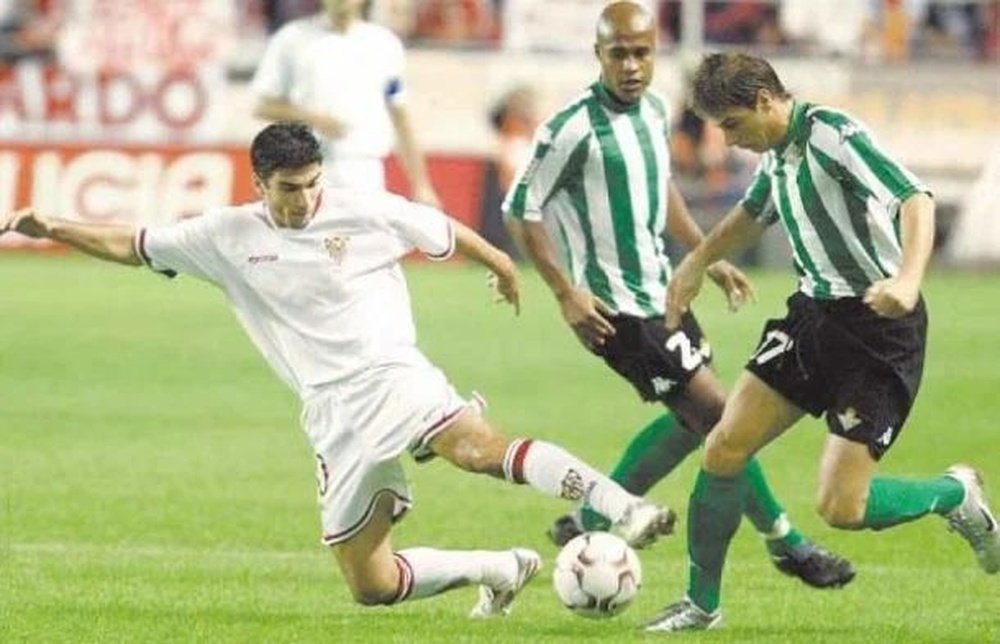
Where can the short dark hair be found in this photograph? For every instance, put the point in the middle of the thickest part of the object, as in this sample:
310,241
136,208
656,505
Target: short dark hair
283,145
724,81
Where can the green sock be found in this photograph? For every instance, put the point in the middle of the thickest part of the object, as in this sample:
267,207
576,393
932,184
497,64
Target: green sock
714,514
653,453
767,515
895,501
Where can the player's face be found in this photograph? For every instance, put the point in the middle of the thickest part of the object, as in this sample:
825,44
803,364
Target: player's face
292,195
758,129
627,58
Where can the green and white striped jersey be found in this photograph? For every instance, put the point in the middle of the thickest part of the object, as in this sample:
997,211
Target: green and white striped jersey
598,179
838,196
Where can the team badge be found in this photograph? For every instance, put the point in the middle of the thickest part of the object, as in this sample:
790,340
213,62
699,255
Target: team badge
848,419
336,247
572,486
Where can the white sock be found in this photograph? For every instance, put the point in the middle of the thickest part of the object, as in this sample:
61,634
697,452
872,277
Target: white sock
424,572
555,471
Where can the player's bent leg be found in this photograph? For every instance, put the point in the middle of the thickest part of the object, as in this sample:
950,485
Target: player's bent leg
367,562
845,475
378,576
472,444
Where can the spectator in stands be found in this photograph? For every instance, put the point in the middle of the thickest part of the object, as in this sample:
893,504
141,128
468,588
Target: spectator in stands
514,118
457,21
25,31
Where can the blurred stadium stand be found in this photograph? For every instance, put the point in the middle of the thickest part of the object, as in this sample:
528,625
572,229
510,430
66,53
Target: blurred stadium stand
140,109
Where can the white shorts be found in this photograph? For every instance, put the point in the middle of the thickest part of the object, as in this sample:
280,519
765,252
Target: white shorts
359,430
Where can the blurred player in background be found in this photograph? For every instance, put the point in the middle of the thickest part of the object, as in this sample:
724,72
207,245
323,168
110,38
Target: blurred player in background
851,346
315,279
600,182
343,76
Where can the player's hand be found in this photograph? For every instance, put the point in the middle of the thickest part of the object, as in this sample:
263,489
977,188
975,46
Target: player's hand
733,282
588,317
892,297
683,288
26,222
504,282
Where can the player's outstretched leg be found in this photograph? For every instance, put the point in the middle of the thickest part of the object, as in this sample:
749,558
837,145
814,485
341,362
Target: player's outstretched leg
551,469
974,520
473,445
651,455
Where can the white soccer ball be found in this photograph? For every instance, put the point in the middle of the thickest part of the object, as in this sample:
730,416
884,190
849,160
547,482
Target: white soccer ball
597,575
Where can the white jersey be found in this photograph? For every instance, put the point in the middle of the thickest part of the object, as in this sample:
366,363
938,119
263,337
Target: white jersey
322,303
350,76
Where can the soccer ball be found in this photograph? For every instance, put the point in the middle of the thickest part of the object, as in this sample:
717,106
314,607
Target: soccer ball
597,575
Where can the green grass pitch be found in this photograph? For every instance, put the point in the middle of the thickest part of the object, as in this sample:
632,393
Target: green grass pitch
156,486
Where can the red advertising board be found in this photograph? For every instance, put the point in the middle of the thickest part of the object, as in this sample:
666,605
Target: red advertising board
148,185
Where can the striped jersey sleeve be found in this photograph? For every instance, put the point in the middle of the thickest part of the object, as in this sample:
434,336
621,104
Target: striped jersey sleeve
553,148
758,200
849,152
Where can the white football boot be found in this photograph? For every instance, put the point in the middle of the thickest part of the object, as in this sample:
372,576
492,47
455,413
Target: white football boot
973,520
643,523
684,615
496,601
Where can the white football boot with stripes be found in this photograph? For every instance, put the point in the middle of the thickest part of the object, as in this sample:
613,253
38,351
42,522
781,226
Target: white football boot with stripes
684,615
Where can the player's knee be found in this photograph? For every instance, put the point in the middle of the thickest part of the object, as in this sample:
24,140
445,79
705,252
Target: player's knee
482,456
841,512
476,458
373,594
724,456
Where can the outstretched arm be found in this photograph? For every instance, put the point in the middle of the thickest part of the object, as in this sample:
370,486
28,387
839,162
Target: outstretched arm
504,280
734,233
112,242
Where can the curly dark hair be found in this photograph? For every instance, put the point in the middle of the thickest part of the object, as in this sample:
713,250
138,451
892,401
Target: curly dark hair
283,145
724,81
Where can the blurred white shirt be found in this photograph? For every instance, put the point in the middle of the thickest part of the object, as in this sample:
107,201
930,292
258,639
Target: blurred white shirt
351,77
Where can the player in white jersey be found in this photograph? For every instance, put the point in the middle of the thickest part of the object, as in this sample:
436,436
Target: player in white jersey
600,181
314,278
343,76
852,344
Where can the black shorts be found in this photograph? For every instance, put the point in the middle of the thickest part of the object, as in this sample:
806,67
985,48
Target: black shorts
841,358
658,363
